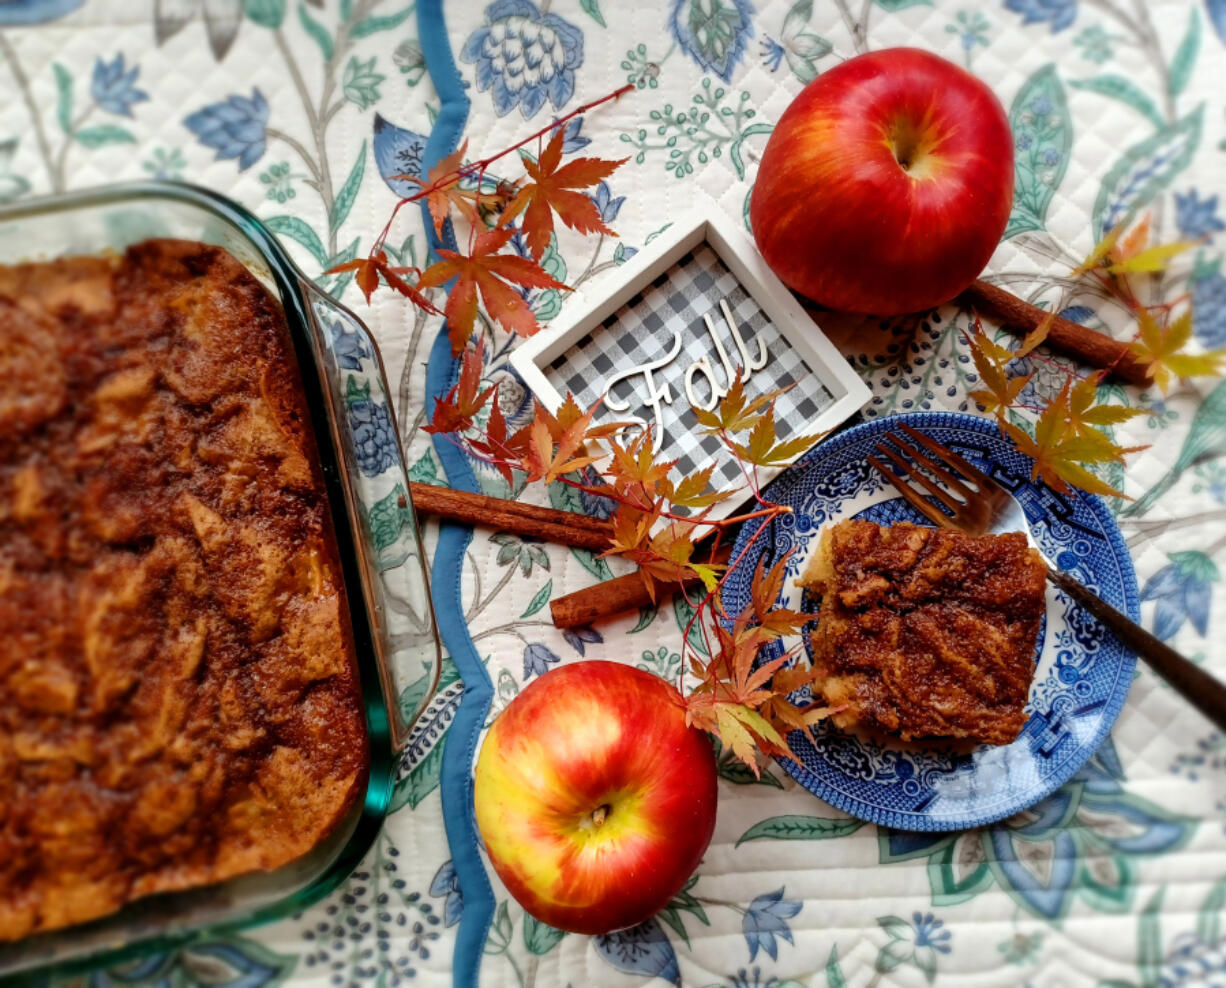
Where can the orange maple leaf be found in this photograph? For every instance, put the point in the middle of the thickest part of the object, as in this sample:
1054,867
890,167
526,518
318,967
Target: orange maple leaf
492,274
552,190
444,192
462,404
366,272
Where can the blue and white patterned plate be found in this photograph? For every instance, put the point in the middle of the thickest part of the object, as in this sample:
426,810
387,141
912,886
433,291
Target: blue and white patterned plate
1082,675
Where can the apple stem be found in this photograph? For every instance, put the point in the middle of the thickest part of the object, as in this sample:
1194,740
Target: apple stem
599,814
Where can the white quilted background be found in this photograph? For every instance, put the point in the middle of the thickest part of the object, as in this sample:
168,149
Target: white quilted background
842,884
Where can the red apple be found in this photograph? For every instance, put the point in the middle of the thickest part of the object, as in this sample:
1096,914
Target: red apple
886,185
594,799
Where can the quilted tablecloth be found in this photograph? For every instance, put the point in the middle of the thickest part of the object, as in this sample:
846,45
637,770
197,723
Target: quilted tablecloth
303,110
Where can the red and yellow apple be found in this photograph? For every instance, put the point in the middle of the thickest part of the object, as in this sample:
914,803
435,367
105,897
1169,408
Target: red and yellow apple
886,185
594,799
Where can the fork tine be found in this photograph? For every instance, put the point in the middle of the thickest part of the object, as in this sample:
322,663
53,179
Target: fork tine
912,496
969,470
938,470
935,489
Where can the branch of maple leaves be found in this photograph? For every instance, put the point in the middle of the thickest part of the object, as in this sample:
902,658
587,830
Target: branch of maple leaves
747,707
549,188
1068,435
657,521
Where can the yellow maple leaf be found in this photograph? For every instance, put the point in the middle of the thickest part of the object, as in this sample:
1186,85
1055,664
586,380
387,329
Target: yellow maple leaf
1160,349
1100,253
1152,259
1061,453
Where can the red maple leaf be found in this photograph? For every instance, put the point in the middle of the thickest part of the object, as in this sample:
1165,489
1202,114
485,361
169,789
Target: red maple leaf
492,274
552,190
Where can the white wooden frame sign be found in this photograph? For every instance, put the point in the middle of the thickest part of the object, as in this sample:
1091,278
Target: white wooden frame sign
712,357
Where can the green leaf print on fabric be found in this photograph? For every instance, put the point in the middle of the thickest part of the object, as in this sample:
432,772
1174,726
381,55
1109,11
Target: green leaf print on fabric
411,697
103,134
1209,922
1149,941
361,82
713,124
419,783
896,5
802,49
11,186
319,34
682,612
592,8
540,938
1205,438
424,470
63,97
1185,56
349,192
1128,93
566,498
386,519
683,902
539,600
793,826
1042,139
834,971
1144,170
266,13
372,25
299,231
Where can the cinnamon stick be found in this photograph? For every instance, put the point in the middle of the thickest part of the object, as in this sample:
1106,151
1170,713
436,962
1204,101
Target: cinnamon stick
573,610
547,524
622,593
584,607
1086,344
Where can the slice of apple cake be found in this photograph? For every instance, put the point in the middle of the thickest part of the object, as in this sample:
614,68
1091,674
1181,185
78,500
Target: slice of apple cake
926,632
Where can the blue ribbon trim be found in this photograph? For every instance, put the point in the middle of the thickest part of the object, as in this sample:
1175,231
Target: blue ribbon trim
459,747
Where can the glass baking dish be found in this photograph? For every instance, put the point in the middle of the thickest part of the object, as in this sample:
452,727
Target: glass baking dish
381,556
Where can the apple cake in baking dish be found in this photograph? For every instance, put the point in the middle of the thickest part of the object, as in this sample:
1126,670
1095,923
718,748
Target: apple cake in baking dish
179,696
926,632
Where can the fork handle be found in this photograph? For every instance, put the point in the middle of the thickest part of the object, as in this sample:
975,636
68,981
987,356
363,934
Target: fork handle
1206,693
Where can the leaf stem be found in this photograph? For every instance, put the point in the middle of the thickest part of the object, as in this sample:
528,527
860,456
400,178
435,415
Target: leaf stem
61,159
36,120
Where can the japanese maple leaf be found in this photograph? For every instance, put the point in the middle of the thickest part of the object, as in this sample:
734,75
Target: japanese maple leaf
1061,452
551,189
767,585
633,469
991,360
455,412
1085,412
554,445
366,272
1160,348
492,274
443,191
735,411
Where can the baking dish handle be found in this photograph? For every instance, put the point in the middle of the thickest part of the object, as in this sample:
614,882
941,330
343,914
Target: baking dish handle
389,549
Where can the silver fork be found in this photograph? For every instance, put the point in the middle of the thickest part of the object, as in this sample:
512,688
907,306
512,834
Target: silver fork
978,505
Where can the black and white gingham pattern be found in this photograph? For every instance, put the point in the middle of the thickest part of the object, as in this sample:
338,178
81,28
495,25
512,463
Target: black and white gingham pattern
641,331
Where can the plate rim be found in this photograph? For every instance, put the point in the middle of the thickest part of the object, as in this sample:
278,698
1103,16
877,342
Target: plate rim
915,823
